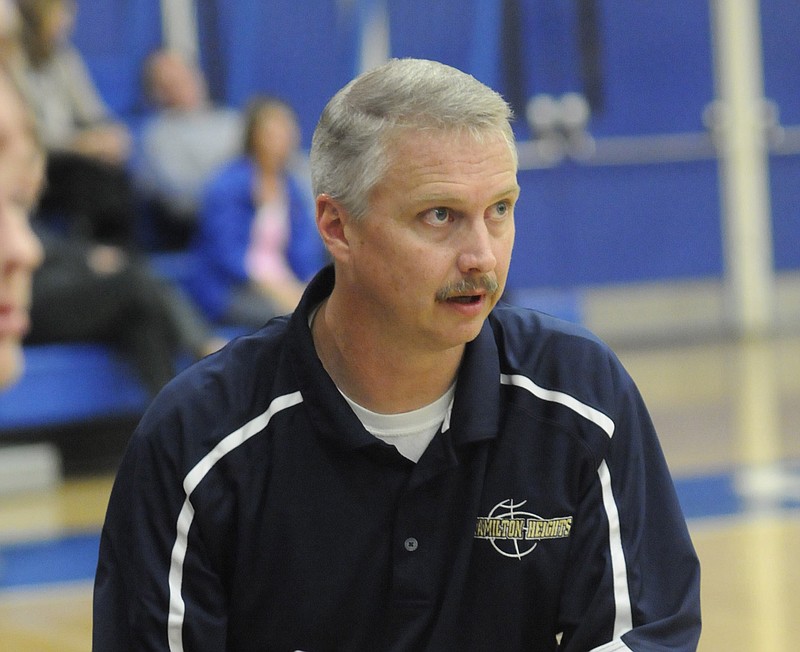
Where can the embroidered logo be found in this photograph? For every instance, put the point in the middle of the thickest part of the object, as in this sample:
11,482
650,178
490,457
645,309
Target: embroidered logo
514,533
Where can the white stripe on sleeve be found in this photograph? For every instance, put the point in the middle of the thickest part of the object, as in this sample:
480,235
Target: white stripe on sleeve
177,607
623,621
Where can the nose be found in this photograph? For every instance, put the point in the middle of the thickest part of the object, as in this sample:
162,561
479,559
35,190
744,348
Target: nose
33,250
477,252
20,249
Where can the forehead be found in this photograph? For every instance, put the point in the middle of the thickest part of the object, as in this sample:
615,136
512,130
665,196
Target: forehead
410,144
167,66
424,157
274,116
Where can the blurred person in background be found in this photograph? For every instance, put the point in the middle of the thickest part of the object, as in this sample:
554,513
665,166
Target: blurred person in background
180,144
88,186
91,291
21,165
12,56
257,244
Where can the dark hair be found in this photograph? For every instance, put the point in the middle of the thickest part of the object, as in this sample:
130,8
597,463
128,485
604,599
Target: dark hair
34,15
255,111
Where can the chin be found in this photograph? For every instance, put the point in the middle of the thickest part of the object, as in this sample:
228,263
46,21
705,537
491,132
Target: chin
11,363
466,335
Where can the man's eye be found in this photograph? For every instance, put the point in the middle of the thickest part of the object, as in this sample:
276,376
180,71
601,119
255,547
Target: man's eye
502,209
437,216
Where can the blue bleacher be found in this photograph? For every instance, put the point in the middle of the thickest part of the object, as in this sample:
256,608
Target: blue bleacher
80,382
69,384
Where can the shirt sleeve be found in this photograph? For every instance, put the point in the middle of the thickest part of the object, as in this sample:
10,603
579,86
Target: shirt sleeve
227,216
146,582
634,581
87,105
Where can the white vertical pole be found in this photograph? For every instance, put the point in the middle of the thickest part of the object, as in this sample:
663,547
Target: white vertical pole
179,27
744,165
374,26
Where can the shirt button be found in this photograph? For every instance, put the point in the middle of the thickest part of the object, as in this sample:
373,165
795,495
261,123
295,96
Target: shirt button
411,544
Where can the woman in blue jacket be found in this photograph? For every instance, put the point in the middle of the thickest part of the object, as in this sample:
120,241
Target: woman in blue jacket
257,242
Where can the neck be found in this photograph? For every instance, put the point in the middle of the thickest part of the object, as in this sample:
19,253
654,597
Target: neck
270,185
379,375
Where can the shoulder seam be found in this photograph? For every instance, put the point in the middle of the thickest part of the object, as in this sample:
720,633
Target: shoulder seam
603,421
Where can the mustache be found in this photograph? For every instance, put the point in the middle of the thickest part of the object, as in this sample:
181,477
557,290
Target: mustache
465,286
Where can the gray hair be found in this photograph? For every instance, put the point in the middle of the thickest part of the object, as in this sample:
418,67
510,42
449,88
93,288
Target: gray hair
350,147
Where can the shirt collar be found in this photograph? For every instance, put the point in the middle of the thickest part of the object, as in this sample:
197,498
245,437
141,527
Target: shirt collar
476,409
475,415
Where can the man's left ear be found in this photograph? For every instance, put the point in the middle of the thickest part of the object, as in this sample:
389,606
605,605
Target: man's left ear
331,220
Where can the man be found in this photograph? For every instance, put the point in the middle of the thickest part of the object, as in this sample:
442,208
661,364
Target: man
181,143
87,189
21,167
402,464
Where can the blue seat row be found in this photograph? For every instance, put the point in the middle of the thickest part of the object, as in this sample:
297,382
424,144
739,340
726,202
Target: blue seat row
77,382
71,383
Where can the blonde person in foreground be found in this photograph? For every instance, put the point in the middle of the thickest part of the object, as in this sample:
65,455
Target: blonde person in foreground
406,463
21,168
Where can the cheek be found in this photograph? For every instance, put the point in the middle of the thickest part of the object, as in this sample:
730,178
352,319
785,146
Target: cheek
503,251
397,270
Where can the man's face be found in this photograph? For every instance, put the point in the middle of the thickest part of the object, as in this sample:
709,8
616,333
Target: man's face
20,251
275,139
431,256
176,83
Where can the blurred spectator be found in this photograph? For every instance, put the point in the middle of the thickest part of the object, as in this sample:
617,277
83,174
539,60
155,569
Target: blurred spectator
11,53
20,252
257,241
83,291
87,184
93,292
181,143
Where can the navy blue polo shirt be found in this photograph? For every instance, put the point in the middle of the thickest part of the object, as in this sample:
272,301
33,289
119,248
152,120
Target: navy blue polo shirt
252,510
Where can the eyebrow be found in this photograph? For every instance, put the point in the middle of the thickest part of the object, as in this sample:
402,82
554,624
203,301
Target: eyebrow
446,199
511,190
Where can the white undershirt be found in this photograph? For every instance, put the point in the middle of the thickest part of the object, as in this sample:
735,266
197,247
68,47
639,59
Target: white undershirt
409,432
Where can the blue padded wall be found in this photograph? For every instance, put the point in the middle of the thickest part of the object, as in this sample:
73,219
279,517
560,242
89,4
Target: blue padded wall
115,36
780,27
780,21
464,34
302,52
658,66
538,53
785,185
577,225
583,226
656,57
